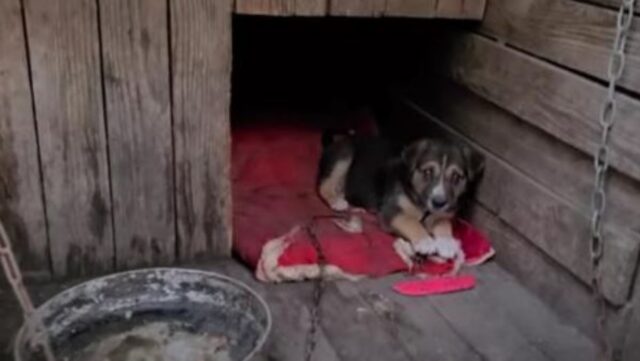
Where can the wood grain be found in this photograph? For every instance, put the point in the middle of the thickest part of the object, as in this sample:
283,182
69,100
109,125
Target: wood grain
557,101
613,4
398,316
266,7
411,8
630,344
566,171
136,72
64,46
311,7
552,29
460,9
534,269
201,64
554,226
528,327
365,8
21,208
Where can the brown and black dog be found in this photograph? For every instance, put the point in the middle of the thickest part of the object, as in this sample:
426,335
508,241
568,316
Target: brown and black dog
415,189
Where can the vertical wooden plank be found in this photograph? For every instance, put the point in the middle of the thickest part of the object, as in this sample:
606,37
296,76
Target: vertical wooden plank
21,207
460,9
266,7
357,7
411,8
63,40
136,73
311,7
201,64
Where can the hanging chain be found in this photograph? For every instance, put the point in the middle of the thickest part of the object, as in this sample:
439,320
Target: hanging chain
33,324
318,290
601,163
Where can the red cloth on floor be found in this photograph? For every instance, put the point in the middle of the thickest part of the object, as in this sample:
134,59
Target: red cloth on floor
274,167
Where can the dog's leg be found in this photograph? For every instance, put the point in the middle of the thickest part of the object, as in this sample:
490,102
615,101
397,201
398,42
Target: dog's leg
449,247
411,229
332,187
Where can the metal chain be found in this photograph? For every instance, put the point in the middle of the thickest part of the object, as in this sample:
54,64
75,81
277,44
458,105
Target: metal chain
33,324
318,287
601,161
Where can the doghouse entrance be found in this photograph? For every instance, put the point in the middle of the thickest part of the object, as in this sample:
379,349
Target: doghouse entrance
291,79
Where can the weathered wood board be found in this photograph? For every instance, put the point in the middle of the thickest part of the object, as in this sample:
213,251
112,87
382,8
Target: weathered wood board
555,100
136,81
450,9
564,170
21,208
535,270
411,8
266,7
460,9
65,59
613,4
201,65
365,8
558,228
550,29
311,7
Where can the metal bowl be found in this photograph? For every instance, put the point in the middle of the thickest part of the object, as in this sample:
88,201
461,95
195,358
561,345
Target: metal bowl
188,303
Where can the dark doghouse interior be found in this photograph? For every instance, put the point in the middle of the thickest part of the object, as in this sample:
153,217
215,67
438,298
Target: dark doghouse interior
323,66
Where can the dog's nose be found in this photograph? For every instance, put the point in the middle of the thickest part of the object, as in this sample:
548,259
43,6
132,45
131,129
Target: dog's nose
438,202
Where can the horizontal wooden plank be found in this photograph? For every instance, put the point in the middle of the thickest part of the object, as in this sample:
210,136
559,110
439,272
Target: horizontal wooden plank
136,72
557,101
21,207
577,35
363,8
311,7
201,49
411,8
266,7
460,9
613,4
564,170
527,328
427,337
556,227
535,270
65,59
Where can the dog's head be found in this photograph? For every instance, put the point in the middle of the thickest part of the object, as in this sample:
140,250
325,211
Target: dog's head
440,172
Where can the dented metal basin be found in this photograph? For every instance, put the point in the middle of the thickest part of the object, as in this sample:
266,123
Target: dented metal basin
155,314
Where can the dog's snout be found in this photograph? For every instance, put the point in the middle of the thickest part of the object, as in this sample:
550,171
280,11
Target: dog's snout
438,201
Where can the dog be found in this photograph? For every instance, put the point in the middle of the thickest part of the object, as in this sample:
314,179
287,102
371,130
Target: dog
414,189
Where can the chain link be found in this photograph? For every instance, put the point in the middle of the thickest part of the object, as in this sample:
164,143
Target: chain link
33,324
318,287
615,70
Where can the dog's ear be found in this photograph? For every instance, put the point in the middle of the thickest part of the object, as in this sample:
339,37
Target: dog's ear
474,162
412,152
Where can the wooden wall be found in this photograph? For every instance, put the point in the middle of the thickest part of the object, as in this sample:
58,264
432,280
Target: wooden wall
525,87
114,132
451,9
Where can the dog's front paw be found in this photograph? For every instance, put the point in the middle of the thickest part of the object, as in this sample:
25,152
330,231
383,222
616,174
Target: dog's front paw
351,225
339,205
445,247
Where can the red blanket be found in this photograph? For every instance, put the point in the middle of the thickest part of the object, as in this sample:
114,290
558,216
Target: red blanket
274,199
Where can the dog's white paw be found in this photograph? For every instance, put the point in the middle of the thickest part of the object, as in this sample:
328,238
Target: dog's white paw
445,247
339,205
352,225
405,251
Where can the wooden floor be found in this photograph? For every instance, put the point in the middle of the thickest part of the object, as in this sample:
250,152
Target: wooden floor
499,320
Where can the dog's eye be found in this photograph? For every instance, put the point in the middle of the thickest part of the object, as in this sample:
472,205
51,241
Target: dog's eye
456,178
428,172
